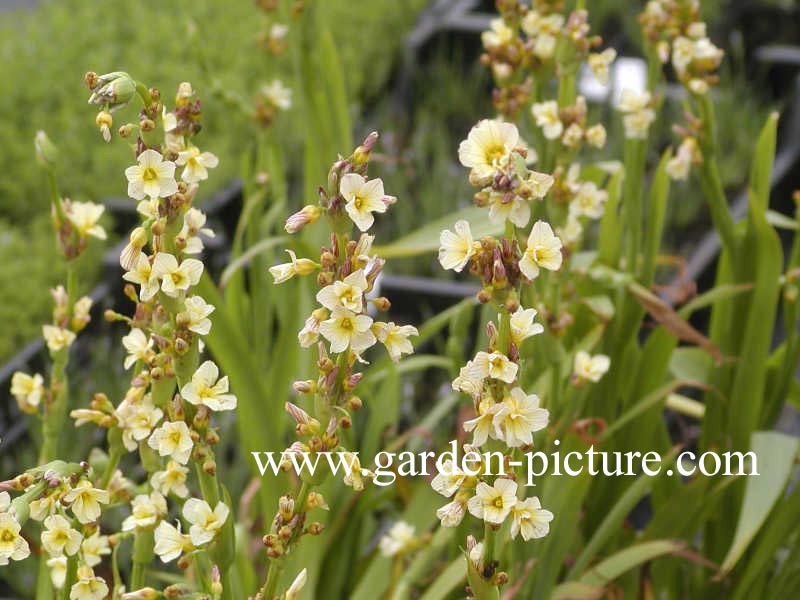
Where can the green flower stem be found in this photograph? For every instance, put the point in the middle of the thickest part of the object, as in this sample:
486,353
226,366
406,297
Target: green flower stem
209,487
71,578
115,454
142,556
504,331
634,160
55,411
709,176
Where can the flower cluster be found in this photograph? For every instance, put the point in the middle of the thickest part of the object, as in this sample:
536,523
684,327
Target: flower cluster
678,36
165,415
343,327
527,44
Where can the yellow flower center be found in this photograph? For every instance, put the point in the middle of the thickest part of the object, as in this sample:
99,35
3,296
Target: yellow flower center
358,202
177,278
347,324
150,174
7,536
494,153
539,254
175,437
498,502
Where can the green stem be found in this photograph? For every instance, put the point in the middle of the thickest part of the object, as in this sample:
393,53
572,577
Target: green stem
142,556
273,576
489,539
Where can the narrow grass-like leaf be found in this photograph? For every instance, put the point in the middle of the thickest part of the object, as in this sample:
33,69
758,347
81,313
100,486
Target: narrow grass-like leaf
776,454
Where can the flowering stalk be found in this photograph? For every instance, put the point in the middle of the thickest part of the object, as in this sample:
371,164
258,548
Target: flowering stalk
166,412
343,330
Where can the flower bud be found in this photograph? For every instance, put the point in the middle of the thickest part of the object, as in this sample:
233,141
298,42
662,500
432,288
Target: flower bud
309,214
147,593
46,151
361,154
316,528
354,403
114,90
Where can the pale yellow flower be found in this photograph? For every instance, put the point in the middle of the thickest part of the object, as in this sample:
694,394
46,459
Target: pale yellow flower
348,294
456,248
170,543
205,522
504,206
469,381
146,511
58,571
487,149
153,177
571,232
498,35
524,325
298,266
448,480
591,368
452,513
495,365
530,519
176,277
543,251
88,587
12,545
172,439
345,328
354,474
57,338
84,217
195,164
398,539
85,500
678,166
596,135
277,94
94,548
27,390
198,311
589,201
482,426
600,62
517,417
363,197
207,387
572,136
172,480
59,538
138,345
309,334
493,503
395,338
637,111
142,274
137,419
44,507
546,115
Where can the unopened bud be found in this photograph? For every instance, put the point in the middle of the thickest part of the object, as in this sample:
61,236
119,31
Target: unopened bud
361,154
46,151
315,500
354,403
381,303
484,296
305,387
307,215
316,528
210,467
